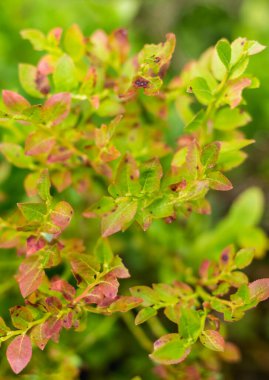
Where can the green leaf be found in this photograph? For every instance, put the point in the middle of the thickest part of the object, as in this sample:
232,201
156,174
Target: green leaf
145,314
103,252
74,42
36,38
196,122
227,119
210,154
15,155
189,324
212,340
162,207
224,52
244,257
147,294
21,316
150,176
256,238
126,182
254,47
43,185
33,212
27,76
64,76
170,349
201,90
3,327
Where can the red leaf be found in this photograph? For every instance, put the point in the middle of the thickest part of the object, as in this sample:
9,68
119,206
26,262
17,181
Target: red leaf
30,275
14,101
259,289
34,244
19,353
67,290
68,320
52,328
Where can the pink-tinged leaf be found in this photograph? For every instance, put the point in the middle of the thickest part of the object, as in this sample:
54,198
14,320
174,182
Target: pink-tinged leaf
34,244
120,272
104,293
55,35
19,353
61,179
218,181
59,154
42,83
57,107
52,329
234,92
30,184
84,267
38,143
30,275
170,349
62,286
14,102
68,320
9,239
61,214
125,303
212,340
38,336
120,218
259,289
204,269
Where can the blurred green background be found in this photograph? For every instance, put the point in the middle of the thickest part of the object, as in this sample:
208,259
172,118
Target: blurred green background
197,25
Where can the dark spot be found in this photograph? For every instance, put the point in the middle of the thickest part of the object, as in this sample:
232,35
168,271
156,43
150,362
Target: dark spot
141,83
225,257
131,177
157,59
173,187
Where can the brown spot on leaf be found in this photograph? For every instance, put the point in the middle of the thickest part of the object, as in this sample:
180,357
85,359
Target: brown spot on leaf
141,83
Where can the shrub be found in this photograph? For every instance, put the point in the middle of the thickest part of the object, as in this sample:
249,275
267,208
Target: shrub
104,142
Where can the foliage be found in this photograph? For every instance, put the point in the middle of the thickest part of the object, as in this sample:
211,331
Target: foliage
95,124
